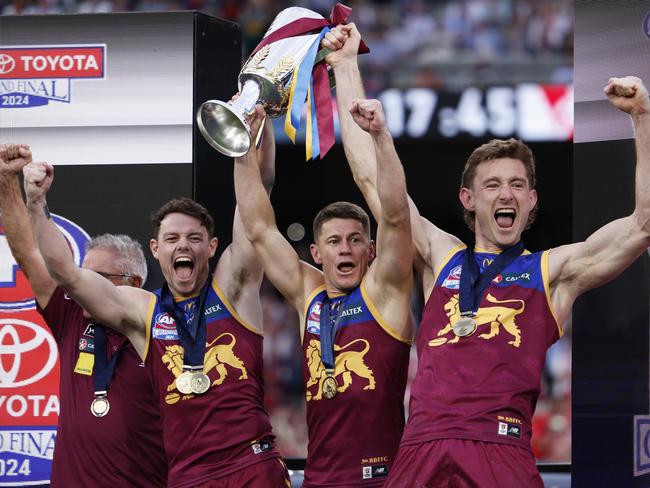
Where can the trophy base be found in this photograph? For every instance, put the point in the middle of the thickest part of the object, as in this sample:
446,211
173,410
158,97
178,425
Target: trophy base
223,128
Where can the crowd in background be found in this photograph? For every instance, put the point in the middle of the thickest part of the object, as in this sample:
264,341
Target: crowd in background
438,44
447,44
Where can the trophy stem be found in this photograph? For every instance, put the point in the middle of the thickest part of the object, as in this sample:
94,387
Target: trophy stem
248,97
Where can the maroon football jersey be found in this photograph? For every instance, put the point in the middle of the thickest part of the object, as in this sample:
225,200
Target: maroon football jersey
124,448
354,436
227,428
484,386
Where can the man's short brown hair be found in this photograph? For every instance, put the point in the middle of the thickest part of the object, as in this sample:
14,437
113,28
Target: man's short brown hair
498,149
340,210
185,206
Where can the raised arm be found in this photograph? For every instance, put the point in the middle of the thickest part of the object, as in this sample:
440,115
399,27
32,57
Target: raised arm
294,278
17,227
358,145
390,277
431,243
576,268
122,308
239,271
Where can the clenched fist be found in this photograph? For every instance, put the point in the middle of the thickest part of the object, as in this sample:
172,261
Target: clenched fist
369,115
628,94
13,158
38,179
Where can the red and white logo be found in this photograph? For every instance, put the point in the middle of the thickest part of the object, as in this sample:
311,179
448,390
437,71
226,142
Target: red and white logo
32,76
28,353
164,327
545,112
453,279
165,321
29,376
52,62
313,319
7,63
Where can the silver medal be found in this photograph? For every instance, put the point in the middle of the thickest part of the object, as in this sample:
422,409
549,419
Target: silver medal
200,383
183,383
100,406
465,326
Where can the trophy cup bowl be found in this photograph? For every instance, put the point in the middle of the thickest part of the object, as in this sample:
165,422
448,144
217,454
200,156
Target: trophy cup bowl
263,79
223,128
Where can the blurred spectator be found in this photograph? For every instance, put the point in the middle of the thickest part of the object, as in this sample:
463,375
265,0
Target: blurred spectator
255,18
20,7
95,6
407,37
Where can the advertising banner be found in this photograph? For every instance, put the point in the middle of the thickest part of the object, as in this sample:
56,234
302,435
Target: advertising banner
29,371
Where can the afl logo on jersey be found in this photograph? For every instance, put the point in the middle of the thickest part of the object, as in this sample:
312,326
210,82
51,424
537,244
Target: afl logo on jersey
15,292
453,280
313,318
164,327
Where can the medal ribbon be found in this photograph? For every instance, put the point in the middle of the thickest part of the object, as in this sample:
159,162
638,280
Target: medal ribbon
103,369
192,335
327,334
473,283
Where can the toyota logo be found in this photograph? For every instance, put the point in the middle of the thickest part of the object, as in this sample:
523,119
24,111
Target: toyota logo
13,352
7,64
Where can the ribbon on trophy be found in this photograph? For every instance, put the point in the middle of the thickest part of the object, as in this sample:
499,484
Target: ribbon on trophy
301,88
310,83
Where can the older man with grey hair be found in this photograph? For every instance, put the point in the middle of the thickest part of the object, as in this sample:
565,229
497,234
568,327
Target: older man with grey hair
129,258
109,431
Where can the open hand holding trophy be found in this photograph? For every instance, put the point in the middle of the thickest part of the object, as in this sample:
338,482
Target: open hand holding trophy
283,60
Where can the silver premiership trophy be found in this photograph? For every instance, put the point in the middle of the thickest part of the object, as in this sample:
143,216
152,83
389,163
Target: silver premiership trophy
264,79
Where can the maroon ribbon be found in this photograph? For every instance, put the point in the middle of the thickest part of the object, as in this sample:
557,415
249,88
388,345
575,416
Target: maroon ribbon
323,104
339,15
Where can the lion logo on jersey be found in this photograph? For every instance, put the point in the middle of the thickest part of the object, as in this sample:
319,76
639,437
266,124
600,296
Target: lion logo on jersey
220,355
497,316
216,357
346,363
